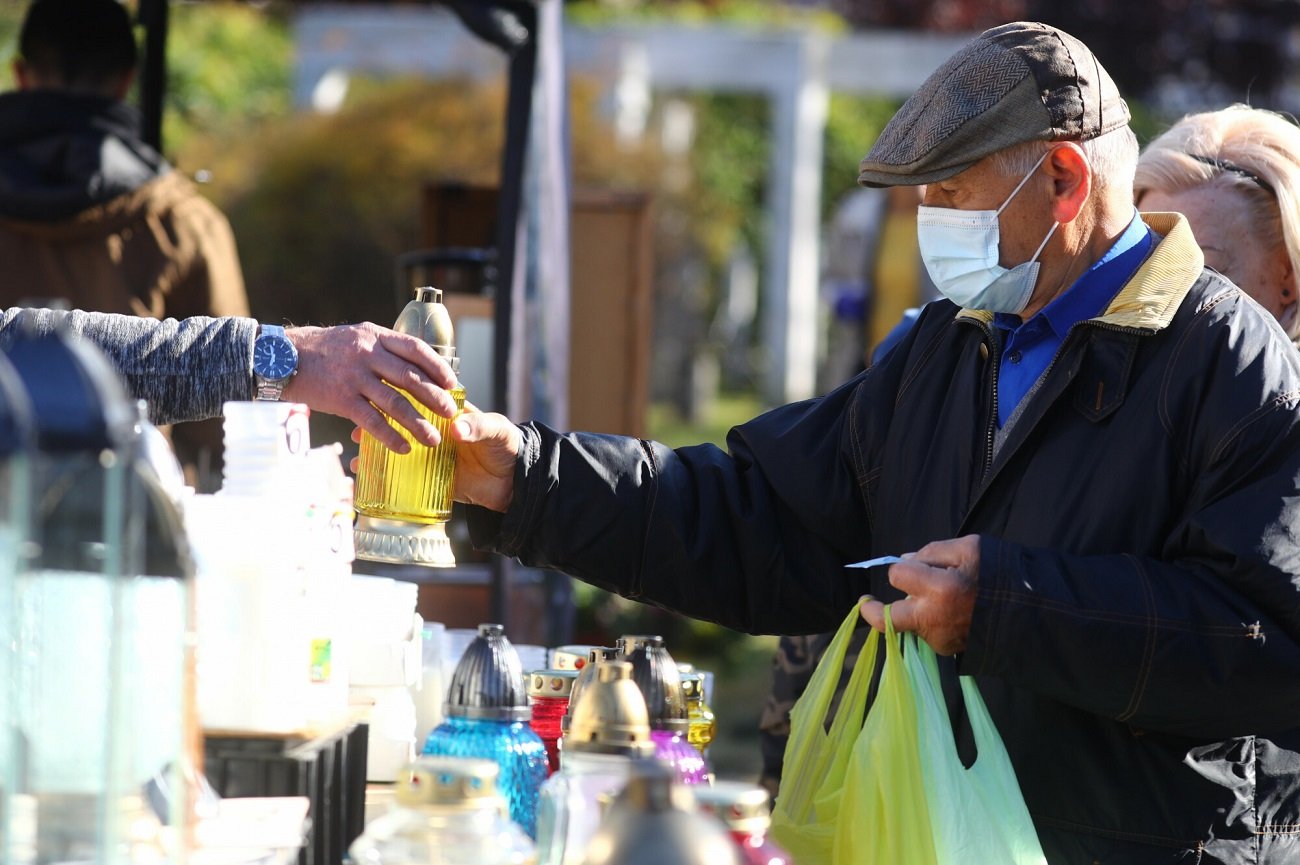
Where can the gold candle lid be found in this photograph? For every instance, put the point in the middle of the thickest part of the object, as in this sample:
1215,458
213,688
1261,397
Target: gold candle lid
426,317
610,715
449,782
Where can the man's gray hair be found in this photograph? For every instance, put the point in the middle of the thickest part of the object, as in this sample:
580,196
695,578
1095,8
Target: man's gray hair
1113,158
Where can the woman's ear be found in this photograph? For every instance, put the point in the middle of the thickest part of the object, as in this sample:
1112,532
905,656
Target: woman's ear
1071,180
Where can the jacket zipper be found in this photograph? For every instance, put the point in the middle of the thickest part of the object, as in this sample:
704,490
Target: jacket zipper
991,428
994,343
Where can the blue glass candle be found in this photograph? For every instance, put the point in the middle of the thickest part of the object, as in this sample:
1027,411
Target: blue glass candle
487,716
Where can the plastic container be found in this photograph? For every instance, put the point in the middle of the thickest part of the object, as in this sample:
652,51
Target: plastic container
431,693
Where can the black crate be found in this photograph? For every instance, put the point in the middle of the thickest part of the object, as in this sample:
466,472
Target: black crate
329,770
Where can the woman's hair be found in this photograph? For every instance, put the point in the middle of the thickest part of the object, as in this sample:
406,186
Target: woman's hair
1249,150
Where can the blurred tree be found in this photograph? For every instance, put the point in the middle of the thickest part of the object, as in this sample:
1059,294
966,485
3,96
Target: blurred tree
1184,54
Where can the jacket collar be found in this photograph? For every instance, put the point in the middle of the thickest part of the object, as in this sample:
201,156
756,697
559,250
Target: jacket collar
1150,298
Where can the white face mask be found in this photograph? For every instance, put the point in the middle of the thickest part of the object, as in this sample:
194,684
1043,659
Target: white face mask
960,250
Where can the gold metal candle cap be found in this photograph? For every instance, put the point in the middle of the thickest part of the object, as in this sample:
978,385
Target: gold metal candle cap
610,716
426,317
448,782
692,687
586,676
572,657
653,821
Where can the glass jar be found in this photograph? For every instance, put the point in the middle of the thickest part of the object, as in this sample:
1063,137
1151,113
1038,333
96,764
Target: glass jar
656,674
448,812
743,808
703,726
487,715
654,821
103,694
403,501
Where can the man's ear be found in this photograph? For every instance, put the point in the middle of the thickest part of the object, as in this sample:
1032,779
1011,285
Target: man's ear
122,86
22,75
1071,180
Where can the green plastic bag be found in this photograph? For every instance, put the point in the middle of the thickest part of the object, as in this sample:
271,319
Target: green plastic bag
806,812
893,790
886,816
978,814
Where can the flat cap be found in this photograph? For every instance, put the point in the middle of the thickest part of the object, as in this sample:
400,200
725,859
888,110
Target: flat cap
1019,82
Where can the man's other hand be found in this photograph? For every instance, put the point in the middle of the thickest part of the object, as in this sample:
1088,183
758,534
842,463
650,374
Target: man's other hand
940,581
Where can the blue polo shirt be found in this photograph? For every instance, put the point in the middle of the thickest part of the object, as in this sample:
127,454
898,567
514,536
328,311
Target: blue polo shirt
1028,348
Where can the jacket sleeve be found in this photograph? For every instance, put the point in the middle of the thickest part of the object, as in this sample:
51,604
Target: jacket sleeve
1202,638
755,539
184,369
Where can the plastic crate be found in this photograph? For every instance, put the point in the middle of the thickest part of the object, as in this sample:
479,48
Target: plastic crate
329,770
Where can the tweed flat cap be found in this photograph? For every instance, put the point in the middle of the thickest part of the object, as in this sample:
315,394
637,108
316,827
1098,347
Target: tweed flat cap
1018,82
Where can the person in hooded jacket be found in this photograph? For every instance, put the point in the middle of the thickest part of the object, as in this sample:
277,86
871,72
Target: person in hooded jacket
92,217
89,213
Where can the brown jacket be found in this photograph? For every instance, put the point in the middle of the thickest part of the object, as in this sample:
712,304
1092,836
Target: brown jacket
162,250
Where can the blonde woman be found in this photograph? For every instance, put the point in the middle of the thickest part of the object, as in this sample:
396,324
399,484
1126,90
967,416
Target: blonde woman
1235,175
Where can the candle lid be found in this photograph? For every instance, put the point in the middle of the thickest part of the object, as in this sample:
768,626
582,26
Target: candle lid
488,683
610,715
655,673
551,683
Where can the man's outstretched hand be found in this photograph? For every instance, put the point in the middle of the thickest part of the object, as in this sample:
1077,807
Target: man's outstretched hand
488,447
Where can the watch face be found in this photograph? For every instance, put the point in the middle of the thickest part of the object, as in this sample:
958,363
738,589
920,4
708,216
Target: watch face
274,357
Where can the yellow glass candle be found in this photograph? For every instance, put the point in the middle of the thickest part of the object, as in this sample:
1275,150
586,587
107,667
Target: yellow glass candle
403,501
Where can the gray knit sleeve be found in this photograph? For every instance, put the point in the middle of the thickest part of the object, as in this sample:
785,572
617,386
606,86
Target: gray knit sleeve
185,369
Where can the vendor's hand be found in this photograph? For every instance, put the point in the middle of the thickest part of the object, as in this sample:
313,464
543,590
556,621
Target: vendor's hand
940,581
487,448
344,371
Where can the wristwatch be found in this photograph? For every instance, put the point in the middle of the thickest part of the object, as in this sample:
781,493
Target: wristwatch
275,361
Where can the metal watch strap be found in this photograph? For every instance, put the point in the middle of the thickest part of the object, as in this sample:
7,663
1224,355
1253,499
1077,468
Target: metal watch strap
269,389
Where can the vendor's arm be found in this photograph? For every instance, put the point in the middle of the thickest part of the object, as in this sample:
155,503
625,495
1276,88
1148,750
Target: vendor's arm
187,368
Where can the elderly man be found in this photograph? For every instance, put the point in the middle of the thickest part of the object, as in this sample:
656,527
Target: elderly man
1091,446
